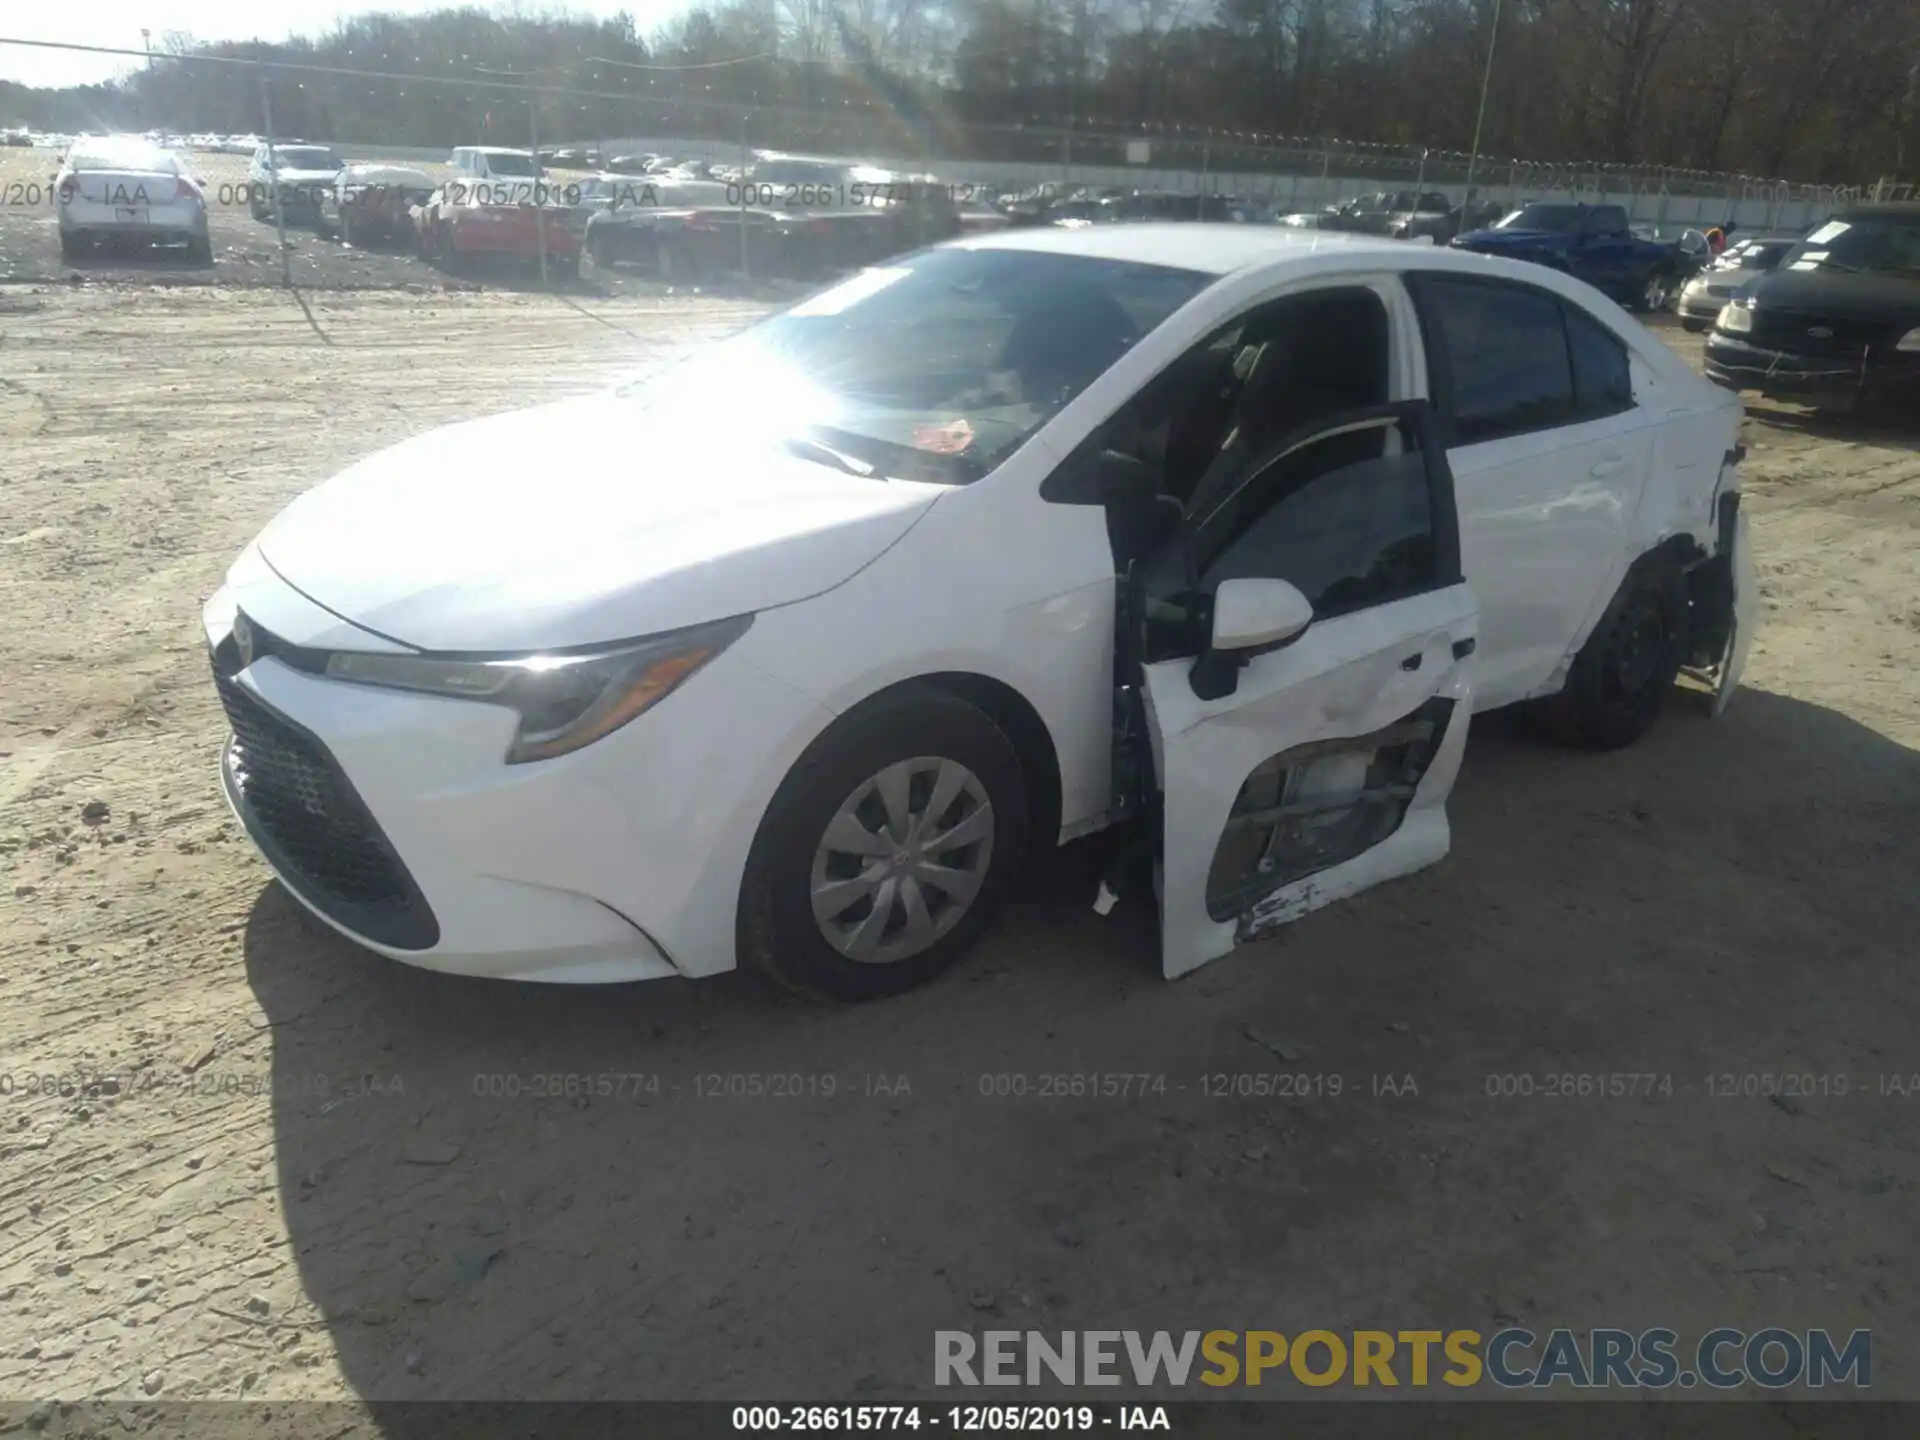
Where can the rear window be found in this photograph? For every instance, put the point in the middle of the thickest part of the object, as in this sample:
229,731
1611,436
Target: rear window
508,164
306,157
123,155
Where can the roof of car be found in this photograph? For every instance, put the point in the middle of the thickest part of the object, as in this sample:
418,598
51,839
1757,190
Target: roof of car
1212,249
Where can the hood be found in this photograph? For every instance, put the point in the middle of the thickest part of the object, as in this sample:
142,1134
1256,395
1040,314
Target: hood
578,523
1868,295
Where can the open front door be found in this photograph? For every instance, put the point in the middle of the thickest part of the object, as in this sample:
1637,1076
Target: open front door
1303,651
1746,599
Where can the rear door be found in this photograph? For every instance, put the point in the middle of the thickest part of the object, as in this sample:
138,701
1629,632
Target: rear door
1306,769
1549,451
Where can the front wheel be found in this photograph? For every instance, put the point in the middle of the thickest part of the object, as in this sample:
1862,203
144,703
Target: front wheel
1694,327
1619,682
883,853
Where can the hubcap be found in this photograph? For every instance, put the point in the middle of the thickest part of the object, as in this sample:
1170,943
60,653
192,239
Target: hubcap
902,860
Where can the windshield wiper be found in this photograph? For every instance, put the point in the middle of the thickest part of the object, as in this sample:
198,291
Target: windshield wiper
807,448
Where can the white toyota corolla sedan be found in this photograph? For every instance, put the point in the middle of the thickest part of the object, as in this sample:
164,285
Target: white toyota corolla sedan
786,657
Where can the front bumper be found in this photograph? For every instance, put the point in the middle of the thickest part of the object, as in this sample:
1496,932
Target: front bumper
1837,379
393,817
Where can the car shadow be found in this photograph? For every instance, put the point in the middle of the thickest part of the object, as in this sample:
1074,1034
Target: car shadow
686,1190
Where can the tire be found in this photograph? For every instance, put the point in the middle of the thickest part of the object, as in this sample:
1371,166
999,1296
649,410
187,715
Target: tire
927,739
199,250
1622,676
1651,294
73,244
1694,327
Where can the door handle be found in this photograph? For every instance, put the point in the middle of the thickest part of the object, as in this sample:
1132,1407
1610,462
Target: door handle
1412,662
1608,468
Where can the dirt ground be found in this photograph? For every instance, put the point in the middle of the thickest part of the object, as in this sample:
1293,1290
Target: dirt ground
305,1181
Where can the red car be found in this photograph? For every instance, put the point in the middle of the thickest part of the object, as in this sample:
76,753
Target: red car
497,216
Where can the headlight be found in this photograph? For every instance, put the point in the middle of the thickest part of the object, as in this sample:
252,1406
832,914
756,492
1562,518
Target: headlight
1909,342
1735,318
564,702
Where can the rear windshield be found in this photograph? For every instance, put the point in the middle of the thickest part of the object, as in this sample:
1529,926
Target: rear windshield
508,164
123,155
305,157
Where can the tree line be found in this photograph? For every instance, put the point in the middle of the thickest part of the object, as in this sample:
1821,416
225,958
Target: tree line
1811,90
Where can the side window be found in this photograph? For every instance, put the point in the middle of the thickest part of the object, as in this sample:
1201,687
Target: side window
1501,349
1602,379
1354,516
1275,370
1609,221
1346,517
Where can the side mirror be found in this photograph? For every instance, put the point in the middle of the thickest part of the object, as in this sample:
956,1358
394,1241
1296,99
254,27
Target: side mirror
1251,617
1257,614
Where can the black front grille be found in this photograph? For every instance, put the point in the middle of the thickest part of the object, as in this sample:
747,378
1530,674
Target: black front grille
1802,333
306,817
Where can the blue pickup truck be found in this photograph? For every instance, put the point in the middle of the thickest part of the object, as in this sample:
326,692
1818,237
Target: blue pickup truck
1591,243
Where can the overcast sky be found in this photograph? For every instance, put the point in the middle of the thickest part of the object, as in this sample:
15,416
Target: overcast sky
118,23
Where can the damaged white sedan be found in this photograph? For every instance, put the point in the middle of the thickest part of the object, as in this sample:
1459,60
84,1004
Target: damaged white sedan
786,657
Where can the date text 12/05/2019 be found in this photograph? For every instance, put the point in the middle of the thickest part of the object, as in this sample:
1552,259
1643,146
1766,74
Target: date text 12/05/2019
961,1419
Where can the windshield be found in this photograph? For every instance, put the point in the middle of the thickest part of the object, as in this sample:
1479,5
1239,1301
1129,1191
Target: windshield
305,157
1559,218
934,367
1888,243
797,172
508,163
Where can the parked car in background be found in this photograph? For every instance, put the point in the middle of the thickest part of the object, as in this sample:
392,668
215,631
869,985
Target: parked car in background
496,204
18,135
126,190
1362,215
1422,215
1837,322
633,164
1704,296
576,157
1175,205
373,203
943,590
1590,242
297,172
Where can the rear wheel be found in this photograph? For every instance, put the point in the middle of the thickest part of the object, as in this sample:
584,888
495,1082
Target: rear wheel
199,250
73,244
882,855
1620,680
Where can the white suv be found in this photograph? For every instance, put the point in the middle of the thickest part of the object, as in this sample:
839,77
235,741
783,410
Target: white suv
786,656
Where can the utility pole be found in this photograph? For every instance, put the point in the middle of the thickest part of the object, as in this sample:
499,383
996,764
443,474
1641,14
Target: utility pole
533,139
146,90
1480,119
273,181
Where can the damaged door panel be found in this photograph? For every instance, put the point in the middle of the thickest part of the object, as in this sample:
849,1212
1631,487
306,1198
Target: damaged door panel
1302,653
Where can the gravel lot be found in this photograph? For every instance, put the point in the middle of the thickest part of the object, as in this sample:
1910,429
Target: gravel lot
300,1187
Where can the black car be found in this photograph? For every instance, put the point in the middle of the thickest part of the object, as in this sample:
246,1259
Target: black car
1838,323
